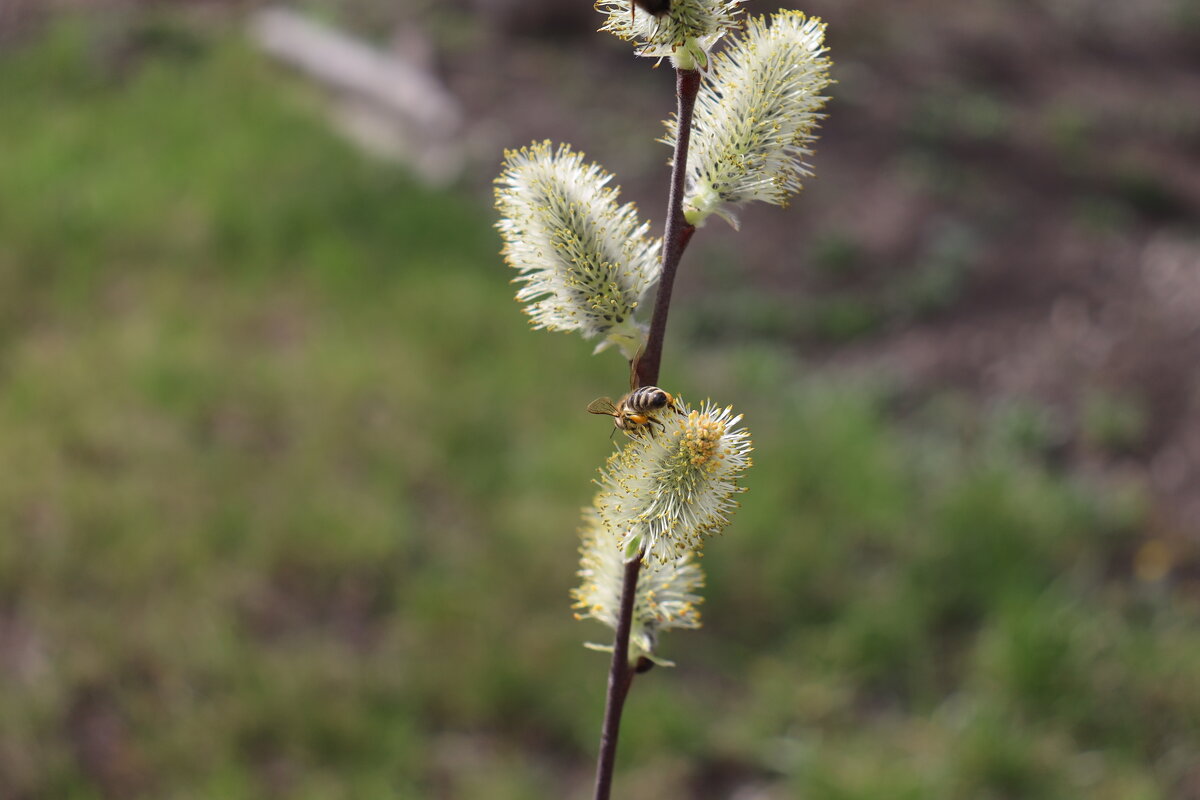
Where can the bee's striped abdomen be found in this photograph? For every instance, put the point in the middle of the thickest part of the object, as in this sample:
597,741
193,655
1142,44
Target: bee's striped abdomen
647,398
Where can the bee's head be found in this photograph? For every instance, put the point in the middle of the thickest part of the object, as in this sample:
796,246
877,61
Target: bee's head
662,399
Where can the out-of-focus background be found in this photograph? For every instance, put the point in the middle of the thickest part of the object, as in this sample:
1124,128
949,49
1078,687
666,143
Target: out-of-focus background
288,490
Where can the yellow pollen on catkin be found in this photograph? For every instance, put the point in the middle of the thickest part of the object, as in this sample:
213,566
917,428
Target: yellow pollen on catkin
701,437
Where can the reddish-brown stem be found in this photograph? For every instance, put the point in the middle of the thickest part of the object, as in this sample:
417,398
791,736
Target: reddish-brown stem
675,239
678,230
620,678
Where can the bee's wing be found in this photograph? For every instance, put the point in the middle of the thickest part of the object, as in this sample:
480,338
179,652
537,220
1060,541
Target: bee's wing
602,405
633,368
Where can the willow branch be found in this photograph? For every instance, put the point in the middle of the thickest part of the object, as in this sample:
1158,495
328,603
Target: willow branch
675,239
678,230
620,678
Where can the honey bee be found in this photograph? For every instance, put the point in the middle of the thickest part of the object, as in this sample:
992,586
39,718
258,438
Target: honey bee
633,412
654,7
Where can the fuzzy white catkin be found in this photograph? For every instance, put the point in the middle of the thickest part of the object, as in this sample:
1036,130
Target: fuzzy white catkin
584,261
756,117
672,490
666,592
685,32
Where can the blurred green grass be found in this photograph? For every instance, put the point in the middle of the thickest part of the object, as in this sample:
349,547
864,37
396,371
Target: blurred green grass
290,490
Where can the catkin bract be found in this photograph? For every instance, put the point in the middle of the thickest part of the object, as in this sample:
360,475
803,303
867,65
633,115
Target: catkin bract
584,261
672,490
685,33
666,592
756,117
